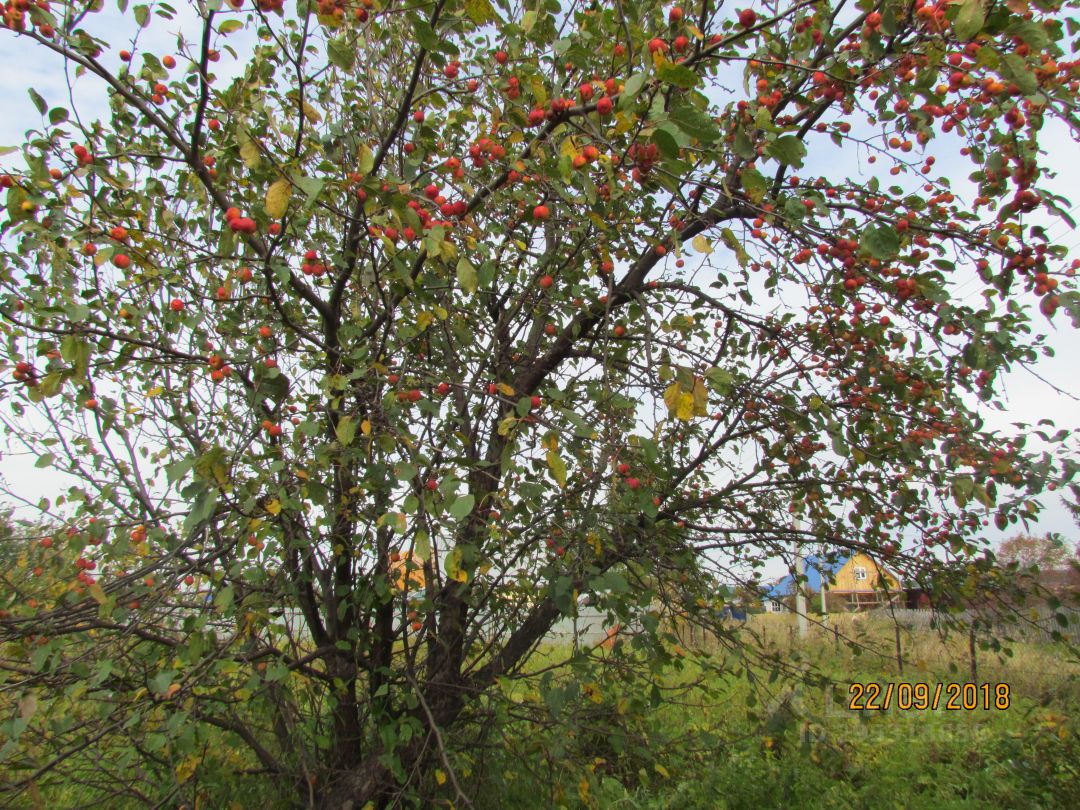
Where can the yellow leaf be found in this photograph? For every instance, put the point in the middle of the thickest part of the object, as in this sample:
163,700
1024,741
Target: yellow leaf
365,159
505,389
536,84
277,198
684,409
311,113
302,474
365,427
186,769
557,467
506,425
440,777
624,122
701,244
424,320
172,690
453,567
671,397
98,593
274,507
249,152
701,397
156,391
660,769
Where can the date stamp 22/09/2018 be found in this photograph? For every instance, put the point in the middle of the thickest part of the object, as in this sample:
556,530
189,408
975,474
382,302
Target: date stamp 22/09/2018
906,696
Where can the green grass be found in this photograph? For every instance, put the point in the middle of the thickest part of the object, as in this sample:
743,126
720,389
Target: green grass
739,741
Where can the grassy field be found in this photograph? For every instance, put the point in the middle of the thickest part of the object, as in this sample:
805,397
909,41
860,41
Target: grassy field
757,720
733,738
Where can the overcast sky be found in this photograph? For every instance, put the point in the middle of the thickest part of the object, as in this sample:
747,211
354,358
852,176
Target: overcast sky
1028,398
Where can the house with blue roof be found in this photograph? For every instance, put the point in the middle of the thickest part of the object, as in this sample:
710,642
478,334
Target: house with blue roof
856,581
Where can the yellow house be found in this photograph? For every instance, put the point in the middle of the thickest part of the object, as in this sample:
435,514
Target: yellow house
407,573
856,579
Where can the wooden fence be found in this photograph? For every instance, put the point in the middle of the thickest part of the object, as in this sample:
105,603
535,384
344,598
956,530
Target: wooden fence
1032,625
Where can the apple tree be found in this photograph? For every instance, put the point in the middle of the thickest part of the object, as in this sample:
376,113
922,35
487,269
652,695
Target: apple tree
365,337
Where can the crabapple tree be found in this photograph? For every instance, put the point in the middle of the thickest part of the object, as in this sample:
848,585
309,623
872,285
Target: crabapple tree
364,337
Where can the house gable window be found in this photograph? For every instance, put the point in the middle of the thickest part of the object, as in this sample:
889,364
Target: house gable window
860,573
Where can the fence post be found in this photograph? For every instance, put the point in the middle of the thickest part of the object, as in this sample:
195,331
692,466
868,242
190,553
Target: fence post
971,651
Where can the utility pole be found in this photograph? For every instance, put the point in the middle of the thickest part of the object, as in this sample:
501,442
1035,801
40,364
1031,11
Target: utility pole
800,594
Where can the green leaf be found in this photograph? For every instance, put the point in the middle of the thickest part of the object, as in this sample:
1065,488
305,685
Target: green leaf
425,35
311,186
480,11
45,460
969,20
1015,68
405,472
880,241
341,53
201,510
466,275
788,150
735,246
678,75
422,545
77,352
178,469
224,599
142,16
462,506
346,430
229,26
39,102
666,142
634,84
754,184
695,123
57,115
839,446
744,147
50,386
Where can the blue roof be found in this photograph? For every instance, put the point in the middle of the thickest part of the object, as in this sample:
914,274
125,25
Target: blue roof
816,566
